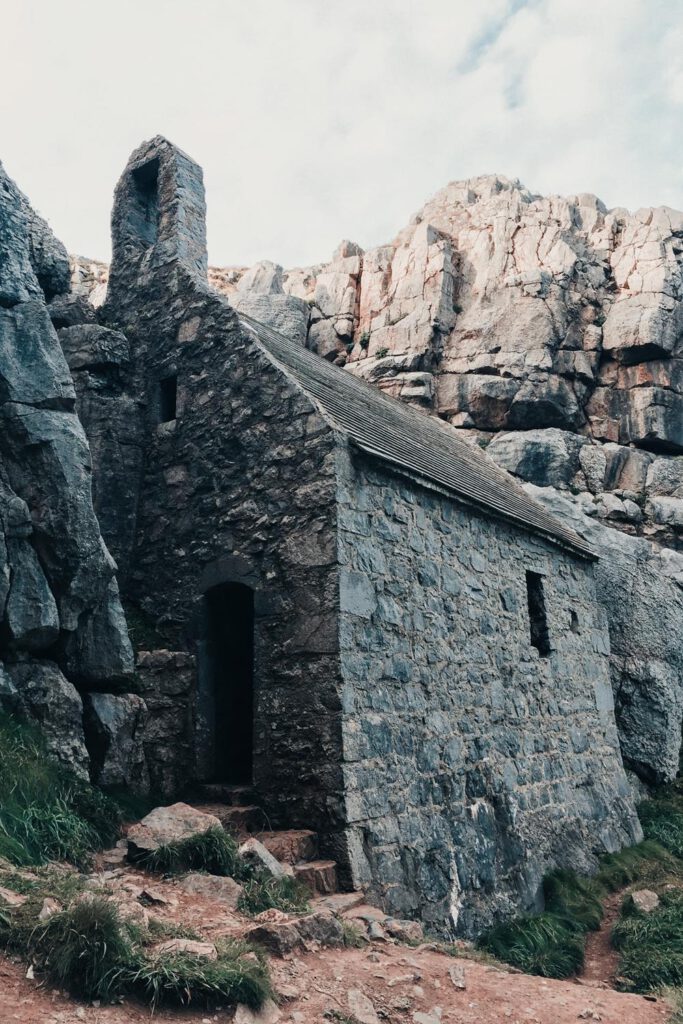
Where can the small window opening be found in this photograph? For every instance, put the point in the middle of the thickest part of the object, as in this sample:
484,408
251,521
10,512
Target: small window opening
145,210
168,394
538,619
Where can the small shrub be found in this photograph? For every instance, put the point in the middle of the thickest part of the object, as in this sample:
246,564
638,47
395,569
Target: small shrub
651,945
262,893
89,950
214,851
364,340
382,353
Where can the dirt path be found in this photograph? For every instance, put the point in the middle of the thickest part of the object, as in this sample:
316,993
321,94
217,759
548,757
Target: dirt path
393,984
601,960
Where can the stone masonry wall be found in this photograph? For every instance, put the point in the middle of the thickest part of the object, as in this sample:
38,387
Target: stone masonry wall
239,487
472,764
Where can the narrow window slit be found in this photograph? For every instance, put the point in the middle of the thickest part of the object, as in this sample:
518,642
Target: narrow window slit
168,394
538,618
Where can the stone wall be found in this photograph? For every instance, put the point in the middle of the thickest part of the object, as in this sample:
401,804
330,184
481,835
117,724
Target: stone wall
472,764
168,684
238,487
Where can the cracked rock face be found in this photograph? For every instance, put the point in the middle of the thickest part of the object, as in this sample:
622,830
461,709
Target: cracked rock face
61,620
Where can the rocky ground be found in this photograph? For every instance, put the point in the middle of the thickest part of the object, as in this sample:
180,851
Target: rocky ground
385,982
391,974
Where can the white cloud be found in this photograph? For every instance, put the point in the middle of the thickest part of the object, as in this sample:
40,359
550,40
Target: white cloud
316,121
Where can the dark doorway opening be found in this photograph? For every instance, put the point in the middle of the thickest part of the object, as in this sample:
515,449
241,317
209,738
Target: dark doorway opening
230,656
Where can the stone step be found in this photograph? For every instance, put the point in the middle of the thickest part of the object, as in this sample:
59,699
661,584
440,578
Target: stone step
223,793
291,846
237,819
319,875
340,902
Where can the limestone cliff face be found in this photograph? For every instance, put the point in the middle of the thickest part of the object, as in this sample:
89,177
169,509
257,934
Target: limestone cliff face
551,321
61,621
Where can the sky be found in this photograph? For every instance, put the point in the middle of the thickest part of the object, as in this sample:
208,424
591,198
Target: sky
317,120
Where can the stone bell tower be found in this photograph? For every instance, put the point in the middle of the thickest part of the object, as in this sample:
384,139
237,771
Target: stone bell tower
158,220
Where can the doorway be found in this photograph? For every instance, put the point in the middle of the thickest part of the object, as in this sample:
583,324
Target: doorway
229,609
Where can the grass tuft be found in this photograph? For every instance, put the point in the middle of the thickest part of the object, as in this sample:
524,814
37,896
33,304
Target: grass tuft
236,976
47,813
543,944
214,851
263,893
89,950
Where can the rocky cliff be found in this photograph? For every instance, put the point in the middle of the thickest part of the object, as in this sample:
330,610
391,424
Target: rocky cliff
62,630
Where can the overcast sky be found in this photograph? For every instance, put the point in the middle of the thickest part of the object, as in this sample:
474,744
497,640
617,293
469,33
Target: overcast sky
317,120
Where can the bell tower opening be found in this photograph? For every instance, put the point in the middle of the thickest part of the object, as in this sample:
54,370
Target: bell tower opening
229,653
144,213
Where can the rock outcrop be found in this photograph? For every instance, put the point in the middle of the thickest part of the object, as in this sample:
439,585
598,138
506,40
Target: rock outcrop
61,621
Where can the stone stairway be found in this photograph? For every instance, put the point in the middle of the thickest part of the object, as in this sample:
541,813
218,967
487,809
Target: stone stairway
298,848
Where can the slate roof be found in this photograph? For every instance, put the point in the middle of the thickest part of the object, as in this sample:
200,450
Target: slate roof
413,442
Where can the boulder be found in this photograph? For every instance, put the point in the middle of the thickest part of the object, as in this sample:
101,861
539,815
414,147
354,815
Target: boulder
257,856
31,610
51,549
114,727
53,703
166,825
49,258
268,1014
33,370
70,310
547,457
282,937
645,900
91,347
284,313
98,653
213,887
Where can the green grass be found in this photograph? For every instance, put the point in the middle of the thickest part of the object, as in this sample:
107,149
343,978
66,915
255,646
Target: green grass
262,893
180,978
354,938
543,944
214,851
651,945
92,952
46,812
552,943
648,862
